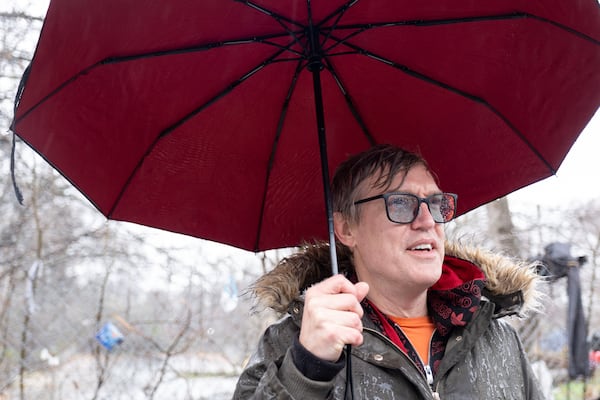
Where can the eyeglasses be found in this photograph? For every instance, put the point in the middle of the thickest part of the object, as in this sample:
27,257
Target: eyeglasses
403,208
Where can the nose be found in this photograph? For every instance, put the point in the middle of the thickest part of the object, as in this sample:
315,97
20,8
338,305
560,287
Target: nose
424,218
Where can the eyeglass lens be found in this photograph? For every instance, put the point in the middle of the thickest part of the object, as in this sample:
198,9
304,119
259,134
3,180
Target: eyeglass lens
404,208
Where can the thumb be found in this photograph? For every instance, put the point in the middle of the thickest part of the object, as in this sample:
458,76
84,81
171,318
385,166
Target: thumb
362,288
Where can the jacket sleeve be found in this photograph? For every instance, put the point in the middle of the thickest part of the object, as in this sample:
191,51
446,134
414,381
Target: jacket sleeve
271,372
533,389
526,380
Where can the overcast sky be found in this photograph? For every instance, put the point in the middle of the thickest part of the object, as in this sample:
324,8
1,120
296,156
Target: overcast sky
577,179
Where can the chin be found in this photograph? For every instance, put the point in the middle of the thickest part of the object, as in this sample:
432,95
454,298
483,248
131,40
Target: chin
432,279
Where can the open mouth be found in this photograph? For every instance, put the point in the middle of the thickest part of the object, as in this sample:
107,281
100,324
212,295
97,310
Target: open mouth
423,247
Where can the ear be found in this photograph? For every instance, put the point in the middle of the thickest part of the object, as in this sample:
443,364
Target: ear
343,230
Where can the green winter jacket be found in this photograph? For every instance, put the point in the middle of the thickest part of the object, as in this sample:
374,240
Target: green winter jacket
483,359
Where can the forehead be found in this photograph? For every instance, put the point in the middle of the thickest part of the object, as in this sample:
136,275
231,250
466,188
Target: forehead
417,180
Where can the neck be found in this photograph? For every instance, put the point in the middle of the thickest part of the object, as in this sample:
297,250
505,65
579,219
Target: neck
401,297
397,305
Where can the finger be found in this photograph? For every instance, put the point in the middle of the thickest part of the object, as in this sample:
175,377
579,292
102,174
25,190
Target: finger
340,301
335,284
349,336
330,346
327,336
362,289
327,318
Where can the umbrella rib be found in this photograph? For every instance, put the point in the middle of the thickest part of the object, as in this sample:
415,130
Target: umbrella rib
52,93
360,28
433,22
224,92
276,16
194,49
186,118
459,92
351,105
339,13
280,123
280,19
120,59
565,28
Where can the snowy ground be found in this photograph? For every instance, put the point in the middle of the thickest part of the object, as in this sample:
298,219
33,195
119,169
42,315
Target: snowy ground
129,378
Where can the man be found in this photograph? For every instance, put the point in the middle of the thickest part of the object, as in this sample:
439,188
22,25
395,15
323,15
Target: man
409,305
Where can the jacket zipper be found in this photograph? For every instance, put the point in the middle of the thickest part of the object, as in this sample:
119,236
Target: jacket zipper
428,373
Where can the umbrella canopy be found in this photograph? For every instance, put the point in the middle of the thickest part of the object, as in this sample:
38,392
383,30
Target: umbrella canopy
203,117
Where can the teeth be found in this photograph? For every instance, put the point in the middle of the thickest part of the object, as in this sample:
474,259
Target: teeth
426,246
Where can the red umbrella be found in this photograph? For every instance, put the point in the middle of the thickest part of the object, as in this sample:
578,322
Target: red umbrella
212,117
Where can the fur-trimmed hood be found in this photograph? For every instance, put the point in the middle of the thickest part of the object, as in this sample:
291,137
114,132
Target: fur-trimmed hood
510,284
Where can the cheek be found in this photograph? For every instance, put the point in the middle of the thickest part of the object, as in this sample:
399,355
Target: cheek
440,231
443,240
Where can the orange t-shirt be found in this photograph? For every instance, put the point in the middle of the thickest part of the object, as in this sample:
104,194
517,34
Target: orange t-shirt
419,331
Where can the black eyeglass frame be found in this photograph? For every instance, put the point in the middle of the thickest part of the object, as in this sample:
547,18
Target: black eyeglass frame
420,200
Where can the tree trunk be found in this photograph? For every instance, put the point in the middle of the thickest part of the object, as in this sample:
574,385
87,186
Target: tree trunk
501,228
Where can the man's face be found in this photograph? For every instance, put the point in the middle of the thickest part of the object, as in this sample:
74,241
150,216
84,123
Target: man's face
398,257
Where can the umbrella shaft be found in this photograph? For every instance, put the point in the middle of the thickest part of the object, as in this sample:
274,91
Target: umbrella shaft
316,73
